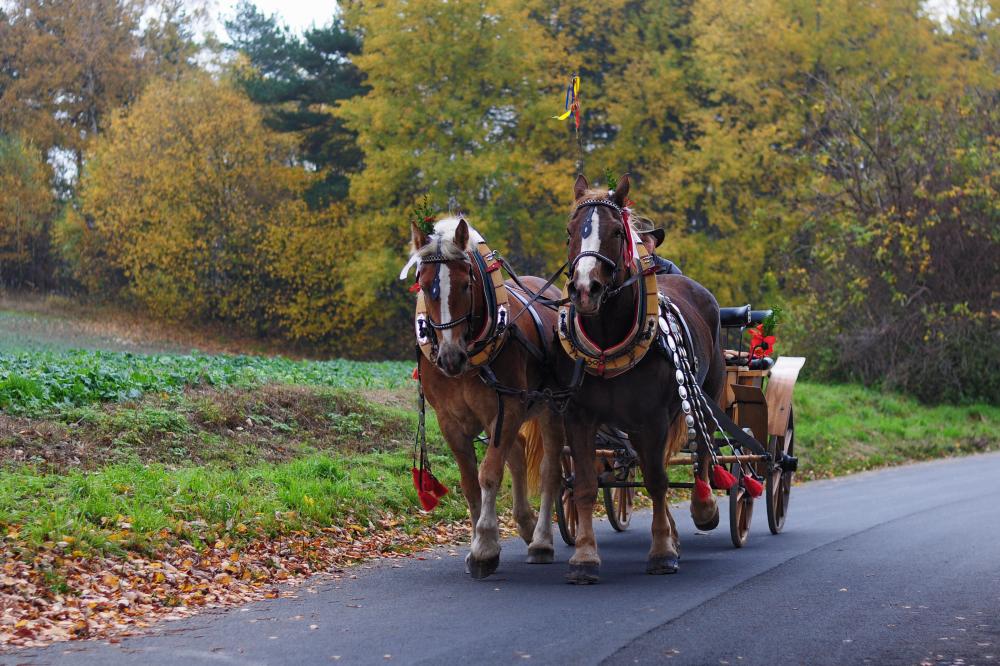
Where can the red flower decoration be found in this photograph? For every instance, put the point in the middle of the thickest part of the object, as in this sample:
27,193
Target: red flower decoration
761,345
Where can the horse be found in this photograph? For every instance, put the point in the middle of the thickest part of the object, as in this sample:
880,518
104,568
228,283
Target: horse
485,357
605,286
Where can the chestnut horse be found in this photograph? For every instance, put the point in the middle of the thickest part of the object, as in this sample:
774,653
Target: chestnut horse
455,284
644,401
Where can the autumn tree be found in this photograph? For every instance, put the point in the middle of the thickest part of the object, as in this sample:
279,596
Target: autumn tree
181,194
67,65
26,208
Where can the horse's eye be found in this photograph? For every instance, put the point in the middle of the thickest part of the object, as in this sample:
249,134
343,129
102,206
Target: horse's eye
468,287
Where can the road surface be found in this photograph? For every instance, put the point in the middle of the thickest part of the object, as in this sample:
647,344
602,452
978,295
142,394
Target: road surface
900,566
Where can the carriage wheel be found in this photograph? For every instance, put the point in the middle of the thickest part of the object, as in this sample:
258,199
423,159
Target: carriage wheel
566,515
740,509
778,484
618,503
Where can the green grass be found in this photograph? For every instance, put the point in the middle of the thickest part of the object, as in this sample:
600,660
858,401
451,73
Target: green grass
144,507
840,429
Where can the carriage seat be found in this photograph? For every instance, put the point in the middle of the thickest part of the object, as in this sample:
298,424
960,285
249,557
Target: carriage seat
742,316
734,317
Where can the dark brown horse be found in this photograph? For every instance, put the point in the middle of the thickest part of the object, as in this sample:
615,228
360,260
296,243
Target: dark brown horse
644,401
456,287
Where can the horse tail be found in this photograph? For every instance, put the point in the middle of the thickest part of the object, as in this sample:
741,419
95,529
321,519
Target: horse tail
677,435
530,437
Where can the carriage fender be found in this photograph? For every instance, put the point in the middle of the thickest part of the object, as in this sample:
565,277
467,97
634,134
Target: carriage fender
780,385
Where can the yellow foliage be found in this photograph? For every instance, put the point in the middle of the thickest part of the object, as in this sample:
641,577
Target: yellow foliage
182,193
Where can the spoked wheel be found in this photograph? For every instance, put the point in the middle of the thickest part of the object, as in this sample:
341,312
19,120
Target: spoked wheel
778,484
566,515
740,509
619,501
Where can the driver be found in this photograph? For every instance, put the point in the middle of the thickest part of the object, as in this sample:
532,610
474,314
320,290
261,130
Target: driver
651,237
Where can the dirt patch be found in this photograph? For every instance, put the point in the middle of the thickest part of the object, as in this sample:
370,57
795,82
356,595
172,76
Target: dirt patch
272,423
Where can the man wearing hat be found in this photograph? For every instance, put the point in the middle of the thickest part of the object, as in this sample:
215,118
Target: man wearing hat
652,236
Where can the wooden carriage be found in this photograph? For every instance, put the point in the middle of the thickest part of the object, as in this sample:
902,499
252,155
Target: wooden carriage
758,398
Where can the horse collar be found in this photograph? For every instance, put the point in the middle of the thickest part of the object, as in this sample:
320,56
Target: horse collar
608,362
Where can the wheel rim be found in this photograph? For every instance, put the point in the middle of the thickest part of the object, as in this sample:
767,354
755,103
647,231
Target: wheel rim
779,486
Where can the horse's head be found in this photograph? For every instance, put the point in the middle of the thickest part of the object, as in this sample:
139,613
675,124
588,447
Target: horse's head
445,276
597,243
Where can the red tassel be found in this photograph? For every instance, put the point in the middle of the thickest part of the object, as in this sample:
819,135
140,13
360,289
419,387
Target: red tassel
701,490
753,486
415,287
429,489
440,490
427,500
721,478
416,372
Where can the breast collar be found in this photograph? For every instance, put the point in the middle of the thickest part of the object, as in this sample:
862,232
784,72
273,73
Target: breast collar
621,357
492,335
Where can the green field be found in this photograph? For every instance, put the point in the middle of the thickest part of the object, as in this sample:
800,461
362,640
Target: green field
197,447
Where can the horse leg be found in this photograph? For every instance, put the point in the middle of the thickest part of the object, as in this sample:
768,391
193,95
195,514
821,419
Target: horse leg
484,558
585,565
663,553
541,549
523,514
464,451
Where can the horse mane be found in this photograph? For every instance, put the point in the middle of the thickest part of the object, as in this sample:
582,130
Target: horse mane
442,240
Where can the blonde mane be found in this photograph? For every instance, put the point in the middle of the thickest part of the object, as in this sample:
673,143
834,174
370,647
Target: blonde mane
442,242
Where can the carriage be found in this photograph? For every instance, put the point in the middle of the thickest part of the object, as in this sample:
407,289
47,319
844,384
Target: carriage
758,398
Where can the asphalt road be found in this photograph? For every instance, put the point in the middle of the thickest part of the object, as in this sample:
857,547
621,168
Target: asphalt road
893,567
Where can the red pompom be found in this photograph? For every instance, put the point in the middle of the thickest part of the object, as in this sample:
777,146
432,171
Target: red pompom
753,486
416,372
701,490
415,287
721,478
429,489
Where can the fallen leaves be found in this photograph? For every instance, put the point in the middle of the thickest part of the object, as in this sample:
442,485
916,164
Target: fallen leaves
58,594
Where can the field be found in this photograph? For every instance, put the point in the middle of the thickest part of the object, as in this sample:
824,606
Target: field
238,466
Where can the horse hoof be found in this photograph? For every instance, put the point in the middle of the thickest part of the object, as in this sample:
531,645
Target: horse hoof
541,555
583,574
710,525
657,566
480,569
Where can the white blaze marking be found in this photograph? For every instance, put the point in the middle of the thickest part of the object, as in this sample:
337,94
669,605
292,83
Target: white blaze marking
591,243
445,281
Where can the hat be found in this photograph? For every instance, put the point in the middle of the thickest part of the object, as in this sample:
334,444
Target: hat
644,225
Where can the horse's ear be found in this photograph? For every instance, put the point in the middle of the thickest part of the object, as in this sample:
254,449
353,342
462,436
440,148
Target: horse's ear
580,186
621,190
418,236
462,234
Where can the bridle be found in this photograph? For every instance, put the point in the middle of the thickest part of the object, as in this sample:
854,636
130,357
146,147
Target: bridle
436,260
615,359
614,265
483,340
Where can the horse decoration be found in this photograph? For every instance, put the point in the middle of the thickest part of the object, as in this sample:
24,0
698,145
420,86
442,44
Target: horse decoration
652,350
484,360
